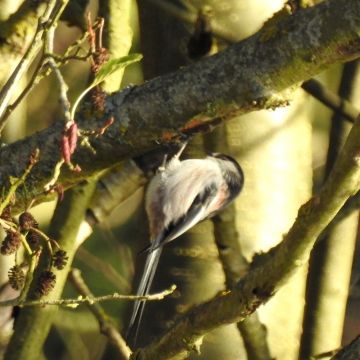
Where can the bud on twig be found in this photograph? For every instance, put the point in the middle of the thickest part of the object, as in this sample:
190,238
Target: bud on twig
16,277
60,259
46,283
11,243
27,221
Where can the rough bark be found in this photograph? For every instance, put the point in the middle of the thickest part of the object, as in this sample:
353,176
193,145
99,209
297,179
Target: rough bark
253,74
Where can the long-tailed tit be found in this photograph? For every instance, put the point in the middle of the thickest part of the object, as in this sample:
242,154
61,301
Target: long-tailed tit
179,196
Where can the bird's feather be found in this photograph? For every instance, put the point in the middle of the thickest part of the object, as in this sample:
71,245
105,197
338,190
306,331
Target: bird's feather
147,278
195,214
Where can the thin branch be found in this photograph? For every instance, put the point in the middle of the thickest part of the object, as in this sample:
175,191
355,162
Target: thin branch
42,70
342,106
88,300
49,48
235,266
47,20
35,79
65,59
107,328
29,277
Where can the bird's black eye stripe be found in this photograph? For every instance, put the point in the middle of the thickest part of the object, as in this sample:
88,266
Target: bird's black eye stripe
234,183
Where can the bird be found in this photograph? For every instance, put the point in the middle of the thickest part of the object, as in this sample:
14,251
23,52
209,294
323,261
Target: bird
179,196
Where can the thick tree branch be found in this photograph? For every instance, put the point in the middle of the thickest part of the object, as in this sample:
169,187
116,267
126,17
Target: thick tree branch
253,74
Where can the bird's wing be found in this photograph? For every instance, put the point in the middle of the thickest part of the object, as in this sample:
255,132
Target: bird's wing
196,213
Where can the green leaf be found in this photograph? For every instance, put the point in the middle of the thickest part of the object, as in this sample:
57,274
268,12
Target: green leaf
114,65
106,70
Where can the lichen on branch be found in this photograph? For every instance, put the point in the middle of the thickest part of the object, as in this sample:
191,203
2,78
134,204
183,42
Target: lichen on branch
253,74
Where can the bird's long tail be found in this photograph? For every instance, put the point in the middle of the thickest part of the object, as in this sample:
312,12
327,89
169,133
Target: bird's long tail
151,264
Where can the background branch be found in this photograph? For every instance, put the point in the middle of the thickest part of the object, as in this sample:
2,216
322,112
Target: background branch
333,101
331,260
233,261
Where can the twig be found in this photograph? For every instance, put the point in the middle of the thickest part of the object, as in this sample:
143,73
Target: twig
29,278
89,300
56,173
83,38
45,22
35,79
49,46
235,266
42,70
65,59
46,238
63,90
69,122
106,326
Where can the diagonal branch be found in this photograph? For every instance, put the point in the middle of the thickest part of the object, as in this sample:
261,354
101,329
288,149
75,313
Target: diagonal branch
271,270
253,74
